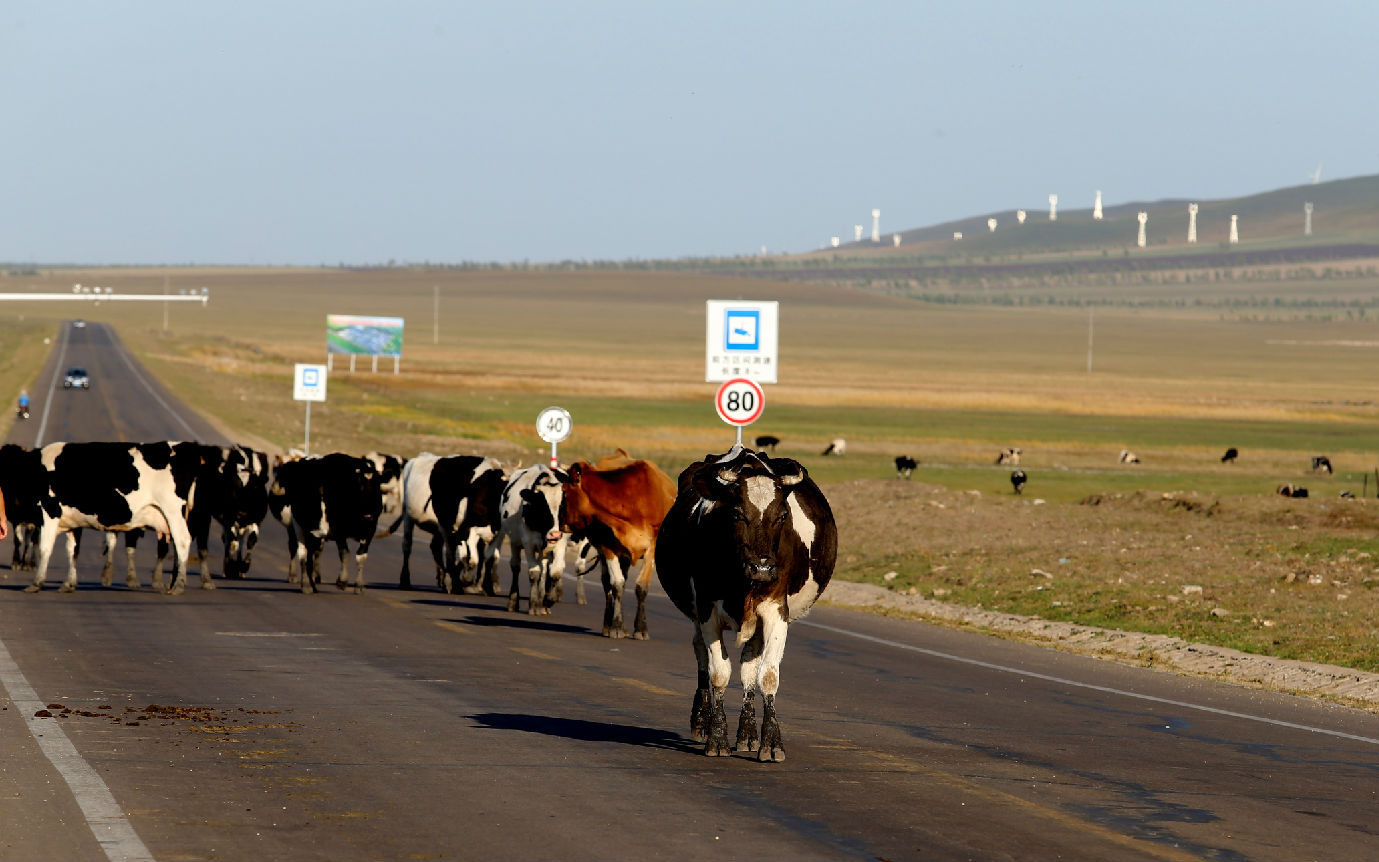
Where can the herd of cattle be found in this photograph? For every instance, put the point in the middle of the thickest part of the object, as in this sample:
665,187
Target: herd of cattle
744,541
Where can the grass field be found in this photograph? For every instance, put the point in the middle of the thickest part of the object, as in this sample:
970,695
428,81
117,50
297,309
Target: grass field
1176,376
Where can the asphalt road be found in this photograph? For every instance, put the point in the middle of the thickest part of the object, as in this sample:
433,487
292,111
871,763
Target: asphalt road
253,722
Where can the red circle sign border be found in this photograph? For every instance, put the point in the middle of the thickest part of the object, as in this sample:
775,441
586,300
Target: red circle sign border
756,414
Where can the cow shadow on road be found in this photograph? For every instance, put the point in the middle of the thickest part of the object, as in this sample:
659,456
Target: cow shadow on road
523,622
587,731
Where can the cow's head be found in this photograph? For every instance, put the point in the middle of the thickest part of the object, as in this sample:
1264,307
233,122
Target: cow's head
753,495
575,508
541,505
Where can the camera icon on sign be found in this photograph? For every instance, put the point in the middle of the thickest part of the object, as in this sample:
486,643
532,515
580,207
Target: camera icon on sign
742,330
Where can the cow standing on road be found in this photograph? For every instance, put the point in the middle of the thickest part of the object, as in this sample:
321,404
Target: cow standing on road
333,498
749,545
618,505
117,487
531,524
458,500
25,485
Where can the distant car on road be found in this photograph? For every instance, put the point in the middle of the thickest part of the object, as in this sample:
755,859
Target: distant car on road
78,324
76,378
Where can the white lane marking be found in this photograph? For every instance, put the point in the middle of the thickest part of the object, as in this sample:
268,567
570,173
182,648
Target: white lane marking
124,354
52,387
1101,688
108,824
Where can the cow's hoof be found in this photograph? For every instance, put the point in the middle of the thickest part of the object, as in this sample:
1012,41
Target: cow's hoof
404,585
340,585
105,582
133,585
717,748
513,603
207,584
771,754
471,589
67,588
177,590
32,588
615,634
359,590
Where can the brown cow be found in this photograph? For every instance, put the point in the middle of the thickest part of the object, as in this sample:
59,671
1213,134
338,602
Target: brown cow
618,505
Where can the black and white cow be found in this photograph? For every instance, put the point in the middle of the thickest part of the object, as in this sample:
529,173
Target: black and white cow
1017,480
458,500
904,466
334,498
227,486
389,469
749,544
531,524
115,487
1321,463
246,476
836,446
1128,457
1009,456
25,485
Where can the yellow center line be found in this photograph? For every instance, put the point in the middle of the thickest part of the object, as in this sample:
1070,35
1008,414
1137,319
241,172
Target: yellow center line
453,627
999,797
644,685
533,653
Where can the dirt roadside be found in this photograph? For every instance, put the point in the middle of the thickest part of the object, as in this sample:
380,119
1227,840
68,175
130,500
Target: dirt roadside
1327,682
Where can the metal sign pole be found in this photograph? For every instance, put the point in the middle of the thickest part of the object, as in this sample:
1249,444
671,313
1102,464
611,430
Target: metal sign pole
307,444
555,462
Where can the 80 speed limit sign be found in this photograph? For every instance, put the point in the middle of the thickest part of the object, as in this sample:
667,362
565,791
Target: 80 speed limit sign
739,402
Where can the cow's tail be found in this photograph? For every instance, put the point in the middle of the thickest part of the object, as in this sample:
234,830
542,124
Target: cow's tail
648,565
392,528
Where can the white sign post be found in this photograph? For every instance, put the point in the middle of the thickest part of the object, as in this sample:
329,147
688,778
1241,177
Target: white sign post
309,384
739,402
741,341
554,426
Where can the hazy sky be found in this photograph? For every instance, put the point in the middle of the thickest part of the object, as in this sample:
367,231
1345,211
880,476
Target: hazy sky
358,132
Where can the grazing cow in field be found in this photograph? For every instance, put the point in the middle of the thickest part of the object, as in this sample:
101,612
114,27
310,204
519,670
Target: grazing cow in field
1291,490
336,498
115,487
1321,463
838,446
749,545
1017,480
1009,456
1128,457
531,524
1230,456
904,466
458,500
618,505
767,441
25,484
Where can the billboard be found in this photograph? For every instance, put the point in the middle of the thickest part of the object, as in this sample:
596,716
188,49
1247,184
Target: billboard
360,335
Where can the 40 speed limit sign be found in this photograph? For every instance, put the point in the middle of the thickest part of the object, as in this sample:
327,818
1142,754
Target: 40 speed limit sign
739,402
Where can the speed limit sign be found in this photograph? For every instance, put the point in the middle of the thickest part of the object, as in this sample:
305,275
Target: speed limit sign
553,424
739,402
